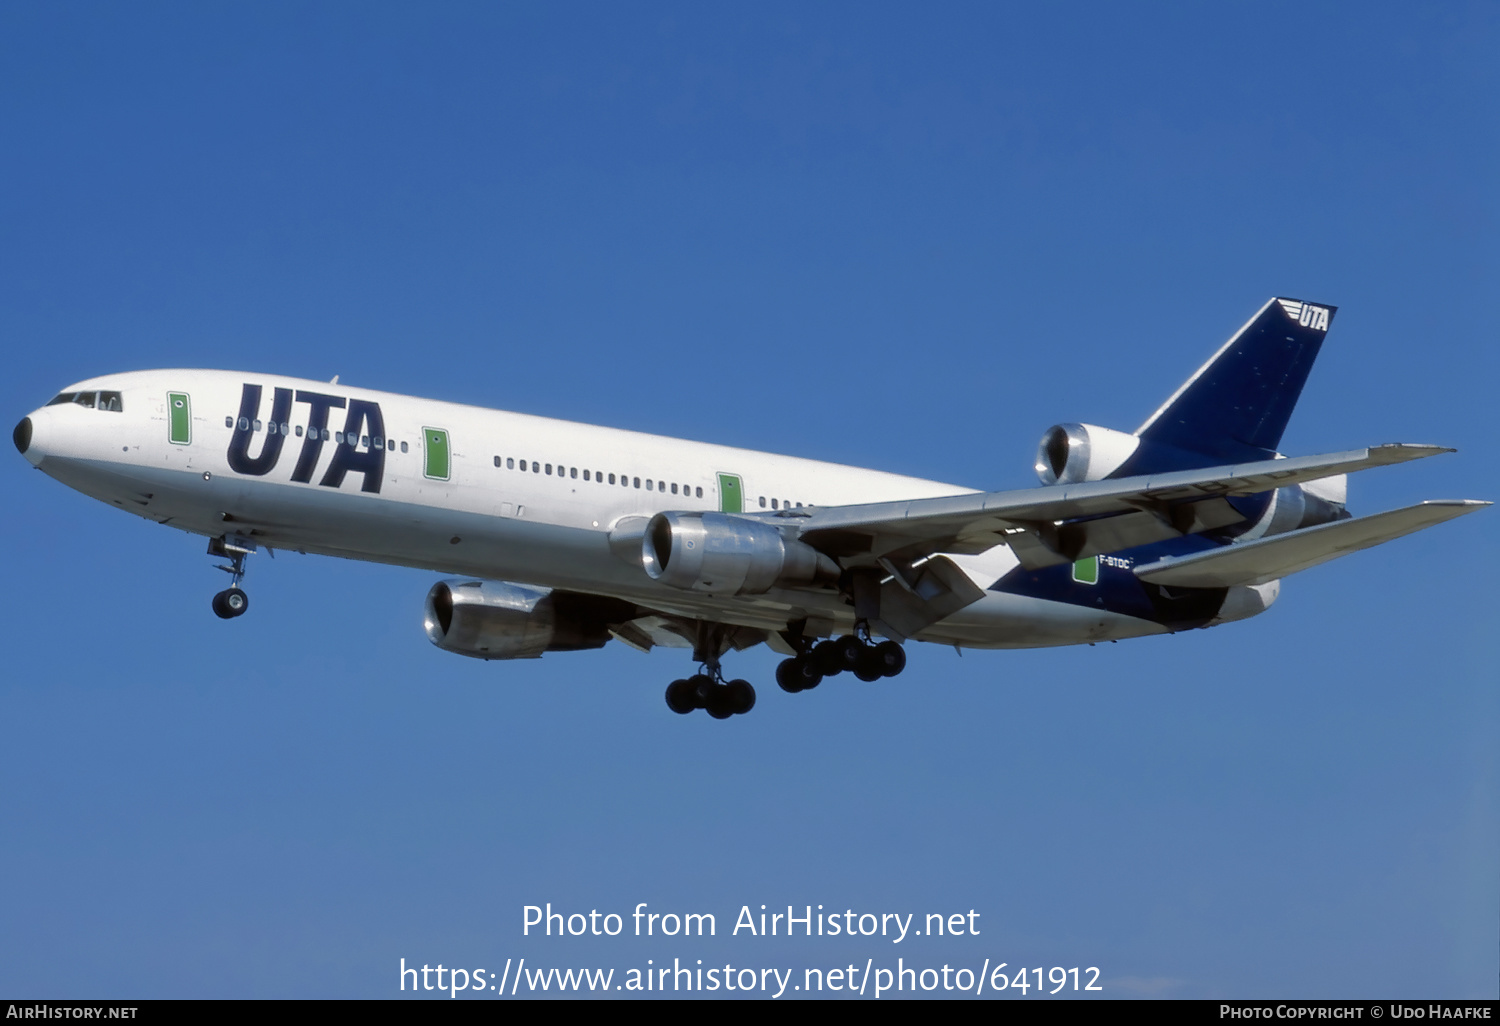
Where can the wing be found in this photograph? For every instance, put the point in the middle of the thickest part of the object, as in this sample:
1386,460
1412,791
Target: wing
1062,523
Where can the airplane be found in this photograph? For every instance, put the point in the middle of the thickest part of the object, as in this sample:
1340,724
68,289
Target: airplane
560,536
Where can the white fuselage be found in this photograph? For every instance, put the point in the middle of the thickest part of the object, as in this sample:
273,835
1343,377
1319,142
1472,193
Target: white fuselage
452,495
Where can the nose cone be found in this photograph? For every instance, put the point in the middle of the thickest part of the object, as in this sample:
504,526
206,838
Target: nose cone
25,438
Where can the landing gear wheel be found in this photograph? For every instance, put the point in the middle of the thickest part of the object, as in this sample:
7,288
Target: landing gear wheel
718,704
701,686
789,675
740,696
681,697
806,673
850,650
867,668
827,658
230,603
891,658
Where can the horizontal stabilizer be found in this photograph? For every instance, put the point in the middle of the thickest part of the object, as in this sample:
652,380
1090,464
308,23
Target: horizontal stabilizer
1268,559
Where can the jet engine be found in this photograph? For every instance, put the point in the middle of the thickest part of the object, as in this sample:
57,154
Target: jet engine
1070,453
498,620
728,555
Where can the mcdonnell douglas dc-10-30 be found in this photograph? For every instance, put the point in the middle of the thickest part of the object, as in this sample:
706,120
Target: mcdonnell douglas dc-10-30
560,536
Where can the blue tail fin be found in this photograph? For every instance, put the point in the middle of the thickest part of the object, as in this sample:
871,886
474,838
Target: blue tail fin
1237,406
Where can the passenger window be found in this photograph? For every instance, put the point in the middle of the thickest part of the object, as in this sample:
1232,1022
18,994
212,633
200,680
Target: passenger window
497,461
228,422
773,503
699,491
799,505
403,446
510,463
549,470
648,484
364,440
379,440
390,443
536,468
674,487
271,428
572,471
299,430
611,479
338,436
85,399
585,475
637,482
762,502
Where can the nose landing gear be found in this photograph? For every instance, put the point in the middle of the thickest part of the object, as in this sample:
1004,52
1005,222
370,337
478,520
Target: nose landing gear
232,601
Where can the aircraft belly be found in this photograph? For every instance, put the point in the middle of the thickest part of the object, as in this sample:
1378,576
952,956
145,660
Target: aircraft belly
1002,620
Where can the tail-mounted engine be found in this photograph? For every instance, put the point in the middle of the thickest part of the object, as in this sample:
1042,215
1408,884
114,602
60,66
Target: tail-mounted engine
728,555
1070,453
498,620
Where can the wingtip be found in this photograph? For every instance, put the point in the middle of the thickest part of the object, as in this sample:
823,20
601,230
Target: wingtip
1401,452
1460,506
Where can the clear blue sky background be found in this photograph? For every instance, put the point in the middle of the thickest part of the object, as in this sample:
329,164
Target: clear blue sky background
908,237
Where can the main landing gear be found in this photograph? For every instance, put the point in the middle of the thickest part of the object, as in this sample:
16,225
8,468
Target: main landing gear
232,601
866,659
858,653
707,689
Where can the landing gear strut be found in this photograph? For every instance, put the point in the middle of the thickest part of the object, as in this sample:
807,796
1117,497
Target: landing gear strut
232,601
857,653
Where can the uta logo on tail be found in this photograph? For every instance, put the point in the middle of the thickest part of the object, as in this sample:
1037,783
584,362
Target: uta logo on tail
1305,314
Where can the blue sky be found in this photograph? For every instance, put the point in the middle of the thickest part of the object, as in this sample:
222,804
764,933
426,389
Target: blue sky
895,236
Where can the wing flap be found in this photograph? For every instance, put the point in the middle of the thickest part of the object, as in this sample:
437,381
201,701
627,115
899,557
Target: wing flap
1268,559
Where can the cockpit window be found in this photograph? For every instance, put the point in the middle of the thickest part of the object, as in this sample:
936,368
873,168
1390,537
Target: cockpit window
106,400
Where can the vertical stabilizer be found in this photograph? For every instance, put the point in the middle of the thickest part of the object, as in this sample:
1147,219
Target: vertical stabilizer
1237,406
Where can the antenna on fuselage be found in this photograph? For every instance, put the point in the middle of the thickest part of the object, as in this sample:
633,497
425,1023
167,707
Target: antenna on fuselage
334,380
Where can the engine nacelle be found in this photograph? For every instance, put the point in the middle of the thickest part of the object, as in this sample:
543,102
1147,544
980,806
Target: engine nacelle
1246,600
1070,453
728,555
497,620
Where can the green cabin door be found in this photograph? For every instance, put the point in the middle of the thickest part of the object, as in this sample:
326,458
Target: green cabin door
731,494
